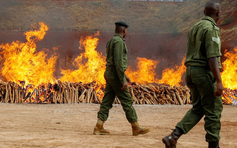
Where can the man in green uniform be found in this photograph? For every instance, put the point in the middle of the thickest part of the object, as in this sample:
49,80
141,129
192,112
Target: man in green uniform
203,79
117,83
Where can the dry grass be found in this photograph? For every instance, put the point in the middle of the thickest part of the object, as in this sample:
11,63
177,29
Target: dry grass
143,17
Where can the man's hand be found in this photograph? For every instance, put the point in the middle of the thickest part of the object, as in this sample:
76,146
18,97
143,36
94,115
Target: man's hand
125,86
128,79
219,89
213,64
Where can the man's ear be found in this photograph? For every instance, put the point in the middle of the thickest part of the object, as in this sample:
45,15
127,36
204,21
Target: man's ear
218,13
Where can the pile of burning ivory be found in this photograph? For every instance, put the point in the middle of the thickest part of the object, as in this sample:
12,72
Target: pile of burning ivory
229,97
159,94
67,92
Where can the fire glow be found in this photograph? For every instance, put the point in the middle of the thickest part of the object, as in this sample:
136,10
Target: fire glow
24,63
34,70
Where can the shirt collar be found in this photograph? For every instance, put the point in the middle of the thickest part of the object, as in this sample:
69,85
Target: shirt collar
209,19
119,36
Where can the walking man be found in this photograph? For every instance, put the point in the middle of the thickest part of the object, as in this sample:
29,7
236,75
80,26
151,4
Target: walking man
203,79
117,83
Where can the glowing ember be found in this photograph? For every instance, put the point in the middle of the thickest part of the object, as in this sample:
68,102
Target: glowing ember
229,97
23,63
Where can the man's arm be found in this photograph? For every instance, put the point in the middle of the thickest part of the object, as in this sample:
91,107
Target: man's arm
118,62
212,46
213,64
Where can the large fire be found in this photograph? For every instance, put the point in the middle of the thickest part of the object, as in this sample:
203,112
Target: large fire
173,76
90,64
22,63
146,73
230,69
229,78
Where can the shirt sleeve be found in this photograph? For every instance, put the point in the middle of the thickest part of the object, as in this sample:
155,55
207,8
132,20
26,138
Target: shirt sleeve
212,44
118,60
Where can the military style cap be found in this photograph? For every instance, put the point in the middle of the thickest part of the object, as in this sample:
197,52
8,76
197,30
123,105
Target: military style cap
122,24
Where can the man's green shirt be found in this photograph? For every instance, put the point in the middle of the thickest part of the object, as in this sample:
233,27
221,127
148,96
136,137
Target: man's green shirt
116,51
203,43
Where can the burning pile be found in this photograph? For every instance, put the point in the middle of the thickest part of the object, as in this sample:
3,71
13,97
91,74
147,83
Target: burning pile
66,92
159,94
229,97
229,78
29,76
57,93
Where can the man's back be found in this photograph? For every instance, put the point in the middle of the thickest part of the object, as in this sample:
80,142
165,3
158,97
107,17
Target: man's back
116,51
203,43
117,39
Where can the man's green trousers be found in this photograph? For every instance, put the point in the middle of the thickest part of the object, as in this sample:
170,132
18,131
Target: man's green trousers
112,89
202,85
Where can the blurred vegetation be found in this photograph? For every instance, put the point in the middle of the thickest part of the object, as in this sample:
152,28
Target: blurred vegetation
185,17
143,17
227,21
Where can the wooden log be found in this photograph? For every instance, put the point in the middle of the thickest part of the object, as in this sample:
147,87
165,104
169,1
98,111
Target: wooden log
82,96
147,100
20,94
76,95
7,94
174,98
88,95
84,99
179,98
55,97
96,98
133,96
169,99
10,93
61,96
16,94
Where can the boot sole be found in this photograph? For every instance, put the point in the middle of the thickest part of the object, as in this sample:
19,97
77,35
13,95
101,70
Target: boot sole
98,133
136,134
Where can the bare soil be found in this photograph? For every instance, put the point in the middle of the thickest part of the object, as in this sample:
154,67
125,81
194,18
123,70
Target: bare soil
71,125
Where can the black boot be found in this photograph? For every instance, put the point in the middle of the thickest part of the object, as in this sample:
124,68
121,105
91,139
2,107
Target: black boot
213,144
170,141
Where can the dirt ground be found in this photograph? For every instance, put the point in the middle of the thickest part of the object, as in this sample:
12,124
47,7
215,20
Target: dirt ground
71,125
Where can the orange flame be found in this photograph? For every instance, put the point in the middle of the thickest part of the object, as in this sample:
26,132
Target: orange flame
173,76
91,65
23,63
228,75
230,70
145,72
